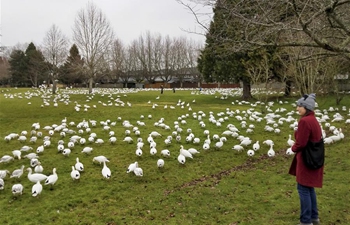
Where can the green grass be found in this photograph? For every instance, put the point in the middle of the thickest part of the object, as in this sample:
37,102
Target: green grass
215,187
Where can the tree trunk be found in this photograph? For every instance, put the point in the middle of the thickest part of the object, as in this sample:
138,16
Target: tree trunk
287,89
90,84
54,86
246,90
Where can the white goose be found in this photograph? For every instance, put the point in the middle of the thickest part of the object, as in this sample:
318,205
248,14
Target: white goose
256,146
37,189
290,142
79,166
2,184
160,163
18,172
38,168
138,152
100,159
165,152
271,152
3,173
75,174
132,167
52,179
138,171
87,150
185,152
181,159
193,151
35,177
250,152
17,189
6,159
106,172
16,154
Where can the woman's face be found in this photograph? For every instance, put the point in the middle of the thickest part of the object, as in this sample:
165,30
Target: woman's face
301,110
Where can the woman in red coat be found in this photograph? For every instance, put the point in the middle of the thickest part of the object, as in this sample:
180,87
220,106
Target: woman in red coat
307,179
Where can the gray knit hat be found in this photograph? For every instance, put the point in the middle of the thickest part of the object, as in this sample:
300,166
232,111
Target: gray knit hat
307,101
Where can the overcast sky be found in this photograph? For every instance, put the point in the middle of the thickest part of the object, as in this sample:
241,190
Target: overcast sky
25,21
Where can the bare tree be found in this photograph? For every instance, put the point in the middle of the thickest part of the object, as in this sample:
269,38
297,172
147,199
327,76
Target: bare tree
55,52
94,36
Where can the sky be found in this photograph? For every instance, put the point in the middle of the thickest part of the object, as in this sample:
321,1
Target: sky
25,21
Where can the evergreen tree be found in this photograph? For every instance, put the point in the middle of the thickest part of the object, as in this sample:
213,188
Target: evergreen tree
72,70
18,69
218,62
36,68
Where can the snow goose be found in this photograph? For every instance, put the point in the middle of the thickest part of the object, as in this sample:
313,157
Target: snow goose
18,172
2,184
138,172
106,172
138,152
181,159
75,174
3,173
34,177
16,154
165,152
79,166
34,162
250,152
31,156
290,142
153,151
87,150
66,152
40,149
206,146
237,148
268,142
256,146
52,179
193,151
160,163
37,189
38,168
26,148
17,189
6,159
132,167
100,159
128,139
289,151
185,152
271,152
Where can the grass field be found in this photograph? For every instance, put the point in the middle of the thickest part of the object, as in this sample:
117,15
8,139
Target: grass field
217,186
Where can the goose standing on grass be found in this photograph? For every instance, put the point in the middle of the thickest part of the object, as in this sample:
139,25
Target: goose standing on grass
160,163
193,151
106,172
165,153
132,167
2,184
185,152
271,152
250,152
290,142
138,172
75,174
18,172
3,173
38,168
256,146
138,152
52,179
16,154
181,159
17,189
6,159
100,159
79,166
34,177
37,189
87,150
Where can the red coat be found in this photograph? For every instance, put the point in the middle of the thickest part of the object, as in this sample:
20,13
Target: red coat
308,129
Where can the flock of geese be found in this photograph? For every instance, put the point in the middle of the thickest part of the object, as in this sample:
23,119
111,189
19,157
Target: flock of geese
235,124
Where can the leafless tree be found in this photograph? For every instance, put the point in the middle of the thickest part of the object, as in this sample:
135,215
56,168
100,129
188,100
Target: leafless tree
94,36
4,70
55,51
